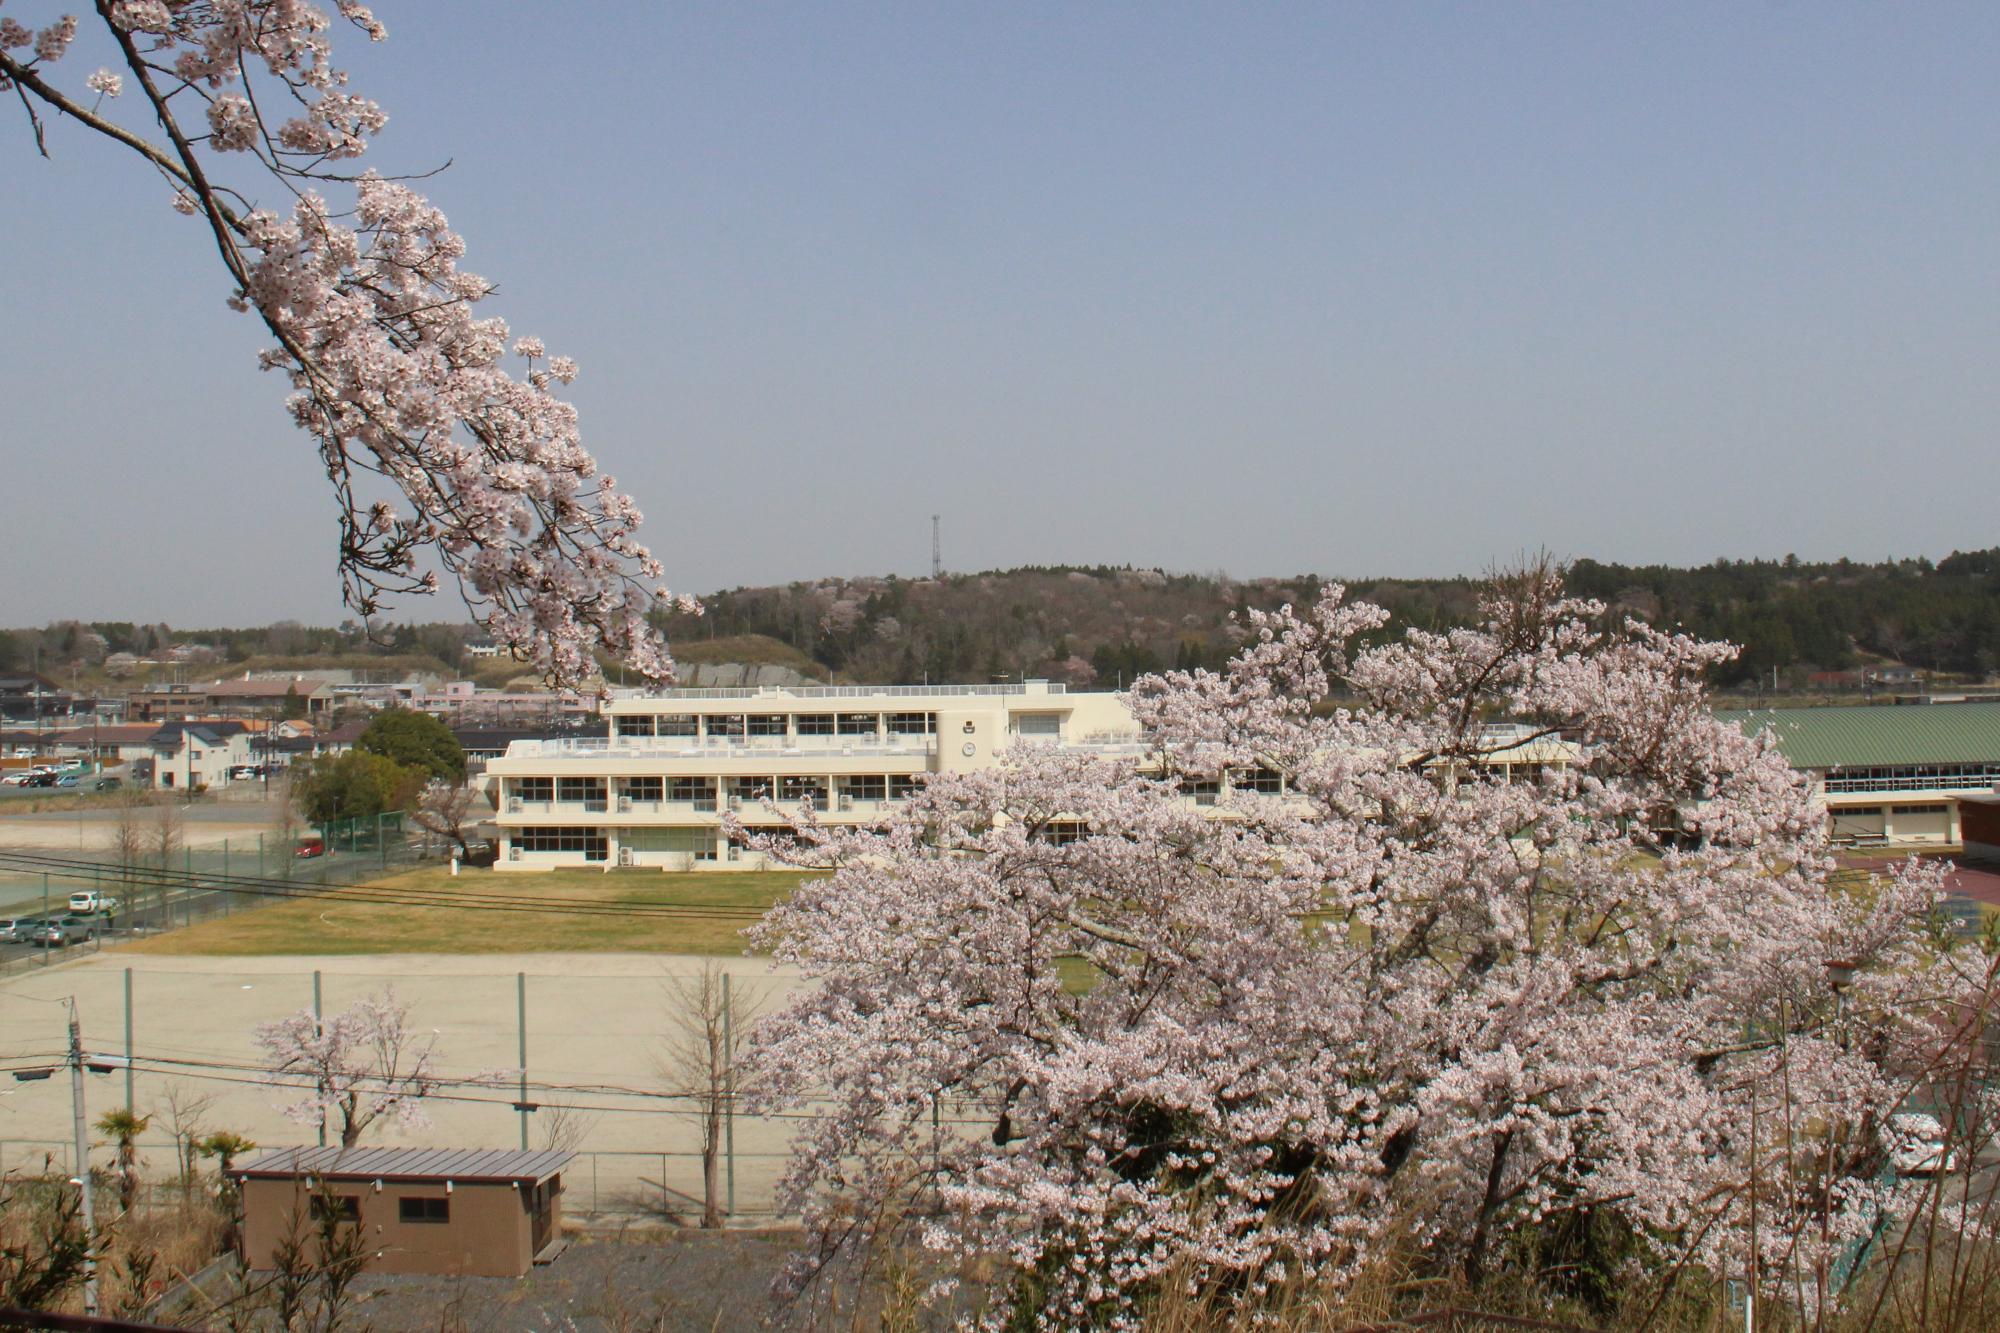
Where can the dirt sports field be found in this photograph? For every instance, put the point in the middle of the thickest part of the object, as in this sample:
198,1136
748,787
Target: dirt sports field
596,1025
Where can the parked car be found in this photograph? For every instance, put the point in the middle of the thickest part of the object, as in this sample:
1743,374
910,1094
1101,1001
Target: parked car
311,847
69,780
39,780
91,901
109,784
16,778
16,929
59,932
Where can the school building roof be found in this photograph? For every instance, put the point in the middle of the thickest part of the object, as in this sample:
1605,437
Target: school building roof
1881,736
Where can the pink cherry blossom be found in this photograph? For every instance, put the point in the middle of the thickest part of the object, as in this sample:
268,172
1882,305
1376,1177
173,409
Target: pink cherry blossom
1449,984
395,374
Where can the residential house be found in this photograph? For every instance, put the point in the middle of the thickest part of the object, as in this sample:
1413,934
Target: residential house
199,755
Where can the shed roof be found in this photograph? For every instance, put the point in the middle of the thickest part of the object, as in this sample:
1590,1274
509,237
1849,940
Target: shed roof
466,1165
1882,736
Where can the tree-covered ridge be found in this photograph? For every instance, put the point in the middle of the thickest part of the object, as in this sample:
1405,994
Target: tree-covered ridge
1103,624
1106,624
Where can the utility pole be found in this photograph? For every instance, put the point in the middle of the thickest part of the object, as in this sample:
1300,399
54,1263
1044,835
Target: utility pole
82,1161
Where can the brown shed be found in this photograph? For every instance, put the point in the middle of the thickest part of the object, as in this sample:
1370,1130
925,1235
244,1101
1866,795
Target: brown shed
486,1213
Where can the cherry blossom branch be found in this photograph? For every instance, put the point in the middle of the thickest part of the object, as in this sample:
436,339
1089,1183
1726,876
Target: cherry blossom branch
393,374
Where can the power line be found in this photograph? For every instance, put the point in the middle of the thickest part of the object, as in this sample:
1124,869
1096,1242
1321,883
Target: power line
251,1075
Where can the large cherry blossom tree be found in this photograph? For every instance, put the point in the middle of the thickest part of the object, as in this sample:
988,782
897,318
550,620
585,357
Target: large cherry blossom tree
441,450
1382,993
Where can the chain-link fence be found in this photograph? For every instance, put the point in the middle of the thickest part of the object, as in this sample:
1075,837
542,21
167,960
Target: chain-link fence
140,894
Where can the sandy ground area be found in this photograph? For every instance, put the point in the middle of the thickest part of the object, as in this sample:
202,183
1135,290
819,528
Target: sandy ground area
597,1027
204,825
207,829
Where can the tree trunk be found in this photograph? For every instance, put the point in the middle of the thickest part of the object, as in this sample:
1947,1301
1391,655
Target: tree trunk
1475,1254
128,1175
711,1166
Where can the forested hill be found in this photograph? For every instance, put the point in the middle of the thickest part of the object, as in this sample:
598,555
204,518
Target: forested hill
1103,624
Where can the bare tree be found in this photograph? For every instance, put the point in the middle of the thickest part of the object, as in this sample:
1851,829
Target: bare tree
129,839
564,1128
166,842
286,826
445,810
186,1109
710,1016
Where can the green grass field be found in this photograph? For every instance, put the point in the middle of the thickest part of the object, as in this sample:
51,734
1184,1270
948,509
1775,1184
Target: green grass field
334,926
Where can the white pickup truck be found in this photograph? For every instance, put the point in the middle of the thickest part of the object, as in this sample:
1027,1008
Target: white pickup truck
91,901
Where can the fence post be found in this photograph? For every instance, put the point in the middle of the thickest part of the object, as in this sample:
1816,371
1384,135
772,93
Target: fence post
187,886
260,856
521,1025
318,1025
128,1040
47,949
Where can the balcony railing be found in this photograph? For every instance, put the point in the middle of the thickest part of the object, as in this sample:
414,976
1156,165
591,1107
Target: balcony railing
719,747
847,691
1965,783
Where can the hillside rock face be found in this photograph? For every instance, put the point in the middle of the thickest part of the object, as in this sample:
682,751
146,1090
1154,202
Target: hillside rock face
740,675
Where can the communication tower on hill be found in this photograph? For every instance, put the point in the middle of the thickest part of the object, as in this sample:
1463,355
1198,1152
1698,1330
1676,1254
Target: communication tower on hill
937,552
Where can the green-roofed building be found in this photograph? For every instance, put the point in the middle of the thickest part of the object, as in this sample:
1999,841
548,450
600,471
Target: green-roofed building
1890,774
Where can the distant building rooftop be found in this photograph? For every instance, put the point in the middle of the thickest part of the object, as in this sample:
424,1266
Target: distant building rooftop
1872,737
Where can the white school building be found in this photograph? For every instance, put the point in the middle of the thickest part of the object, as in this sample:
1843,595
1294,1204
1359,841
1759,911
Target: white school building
654,789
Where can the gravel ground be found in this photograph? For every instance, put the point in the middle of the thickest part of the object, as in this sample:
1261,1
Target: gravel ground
703,1283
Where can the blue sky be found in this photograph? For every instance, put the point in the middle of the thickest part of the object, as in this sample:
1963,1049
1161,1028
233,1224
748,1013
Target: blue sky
1365,289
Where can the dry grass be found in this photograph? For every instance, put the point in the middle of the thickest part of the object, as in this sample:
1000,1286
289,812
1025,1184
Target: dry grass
141,1253
715,909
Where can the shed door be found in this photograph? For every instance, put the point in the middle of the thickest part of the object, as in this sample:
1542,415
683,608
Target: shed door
540,1231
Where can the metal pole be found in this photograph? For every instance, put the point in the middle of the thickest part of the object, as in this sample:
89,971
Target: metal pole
128,1039
521,1026
47,948
82,1161
318,1027
729,1091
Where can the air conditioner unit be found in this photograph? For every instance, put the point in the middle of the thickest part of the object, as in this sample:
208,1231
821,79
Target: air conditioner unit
624,805
846,802
735,852
513,805
624,856
735,802
513,852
